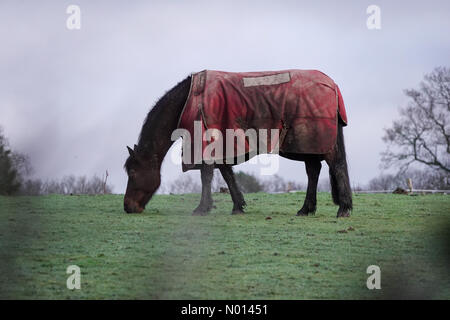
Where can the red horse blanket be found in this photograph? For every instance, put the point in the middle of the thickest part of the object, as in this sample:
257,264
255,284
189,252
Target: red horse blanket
304,105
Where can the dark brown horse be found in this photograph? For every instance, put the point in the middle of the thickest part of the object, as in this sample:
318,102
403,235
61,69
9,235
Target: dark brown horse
143,165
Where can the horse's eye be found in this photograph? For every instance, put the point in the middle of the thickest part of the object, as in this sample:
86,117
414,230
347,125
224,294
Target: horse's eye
132,173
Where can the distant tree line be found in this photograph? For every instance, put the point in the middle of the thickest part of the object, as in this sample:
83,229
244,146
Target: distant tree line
247,182
426,179
15,170
67,185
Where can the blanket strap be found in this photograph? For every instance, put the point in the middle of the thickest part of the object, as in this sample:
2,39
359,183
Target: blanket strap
284,129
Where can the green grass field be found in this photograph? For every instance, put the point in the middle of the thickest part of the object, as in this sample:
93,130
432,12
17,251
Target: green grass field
165,253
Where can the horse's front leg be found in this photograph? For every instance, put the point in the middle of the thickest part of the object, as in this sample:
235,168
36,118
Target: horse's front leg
236,194
313,171
206,201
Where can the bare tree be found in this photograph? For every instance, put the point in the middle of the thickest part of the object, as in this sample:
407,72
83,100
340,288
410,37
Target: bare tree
67,185
427,179
52,187
14,167
248,182
277,184
217,182
385,182
184,184
422,135
32,187
324,185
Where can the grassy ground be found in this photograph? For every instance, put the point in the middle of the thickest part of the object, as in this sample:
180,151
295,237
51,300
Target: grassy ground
165,253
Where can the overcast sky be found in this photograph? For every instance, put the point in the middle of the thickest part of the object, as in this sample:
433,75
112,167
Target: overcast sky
73,99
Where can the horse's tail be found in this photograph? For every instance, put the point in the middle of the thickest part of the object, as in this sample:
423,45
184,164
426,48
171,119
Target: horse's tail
339,152
339,179
341,107
334,189
340,159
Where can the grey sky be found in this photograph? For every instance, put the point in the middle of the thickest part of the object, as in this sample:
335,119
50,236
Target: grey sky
73,100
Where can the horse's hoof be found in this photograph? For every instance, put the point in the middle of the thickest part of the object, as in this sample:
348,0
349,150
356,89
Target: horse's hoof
304,213
343,214
237,211
199,212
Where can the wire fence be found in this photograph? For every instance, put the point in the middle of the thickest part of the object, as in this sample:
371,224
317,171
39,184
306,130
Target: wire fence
413,191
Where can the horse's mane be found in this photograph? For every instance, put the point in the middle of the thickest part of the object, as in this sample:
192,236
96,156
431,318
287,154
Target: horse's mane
173,98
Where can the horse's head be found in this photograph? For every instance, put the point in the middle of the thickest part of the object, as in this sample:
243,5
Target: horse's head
143,180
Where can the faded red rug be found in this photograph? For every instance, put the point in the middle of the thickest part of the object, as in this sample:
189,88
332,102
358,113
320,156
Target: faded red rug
305,105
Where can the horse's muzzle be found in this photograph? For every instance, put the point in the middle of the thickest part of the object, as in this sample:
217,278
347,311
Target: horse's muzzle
132,207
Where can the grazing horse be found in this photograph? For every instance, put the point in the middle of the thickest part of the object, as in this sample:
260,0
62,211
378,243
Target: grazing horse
306,105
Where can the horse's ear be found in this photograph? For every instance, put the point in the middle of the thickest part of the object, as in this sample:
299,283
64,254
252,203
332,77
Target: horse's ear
130,151
135,147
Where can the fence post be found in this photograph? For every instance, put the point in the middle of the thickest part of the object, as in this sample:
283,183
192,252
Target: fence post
104,183
410,185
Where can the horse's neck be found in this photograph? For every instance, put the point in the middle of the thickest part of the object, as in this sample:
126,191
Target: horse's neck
161,141
166,141
164,122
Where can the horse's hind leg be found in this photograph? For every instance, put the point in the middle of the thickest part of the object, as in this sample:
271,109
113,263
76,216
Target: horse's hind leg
340,182
312,170
236,194
206,201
